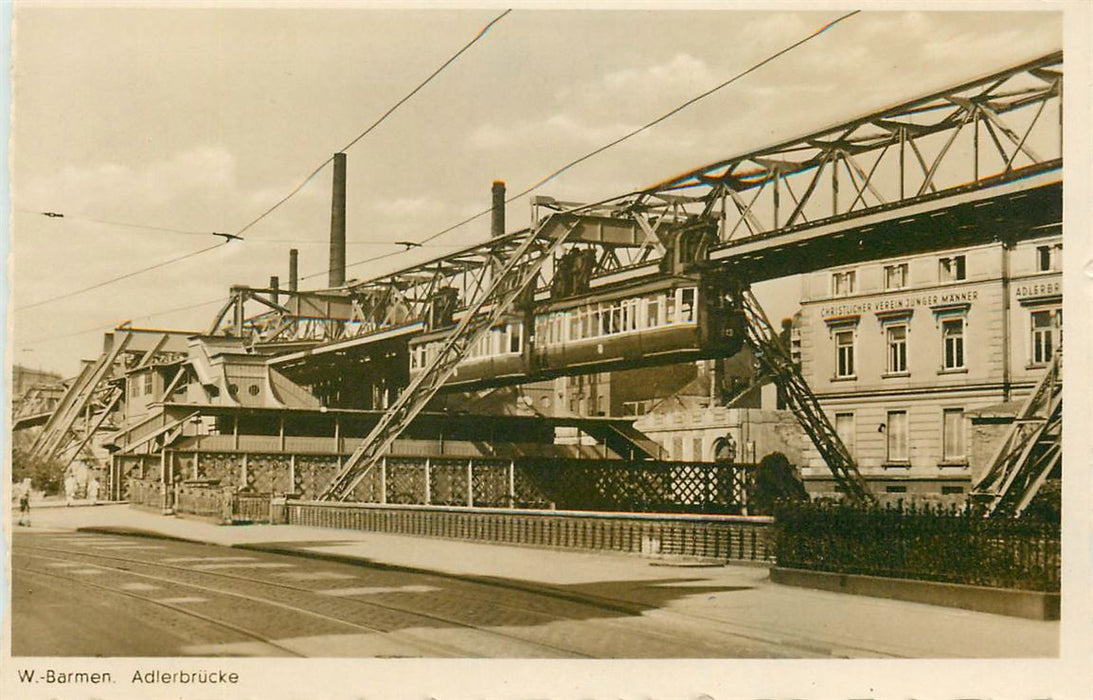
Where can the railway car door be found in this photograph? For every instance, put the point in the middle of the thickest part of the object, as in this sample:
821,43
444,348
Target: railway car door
721,321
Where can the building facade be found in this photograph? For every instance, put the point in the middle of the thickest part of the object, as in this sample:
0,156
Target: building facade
903,352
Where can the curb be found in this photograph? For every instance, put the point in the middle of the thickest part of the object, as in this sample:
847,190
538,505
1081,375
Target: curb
137,532
622,607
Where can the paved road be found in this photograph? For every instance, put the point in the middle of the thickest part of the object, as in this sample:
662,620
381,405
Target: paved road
87,594
553,602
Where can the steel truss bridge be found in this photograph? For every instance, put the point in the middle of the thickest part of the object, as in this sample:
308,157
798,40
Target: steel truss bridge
974,163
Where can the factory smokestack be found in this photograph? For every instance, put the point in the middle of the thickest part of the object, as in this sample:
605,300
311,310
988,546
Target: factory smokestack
275,285
497,218
293,268
337,224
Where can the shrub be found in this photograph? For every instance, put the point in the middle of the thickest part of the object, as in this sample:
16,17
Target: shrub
775,480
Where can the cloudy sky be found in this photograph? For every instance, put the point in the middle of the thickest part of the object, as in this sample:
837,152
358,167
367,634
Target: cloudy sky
198,119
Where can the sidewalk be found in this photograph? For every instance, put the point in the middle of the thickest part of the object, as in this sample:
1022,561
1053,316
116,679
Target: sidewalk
739,599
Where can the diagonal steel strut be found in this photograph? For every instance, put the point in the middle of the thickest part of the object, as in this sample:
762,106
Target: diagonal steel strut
1029,451
517,272
776,360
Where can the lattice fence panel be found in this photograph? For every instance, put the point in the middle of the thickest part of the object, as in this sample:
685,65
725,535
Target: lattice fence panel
527,488
268,473
405,481
448,482
370,490
639,487
491,484
222,466
314,473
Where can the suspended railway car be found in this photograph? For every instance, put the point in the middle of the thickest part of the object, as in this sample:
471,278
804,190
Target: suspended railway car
664,321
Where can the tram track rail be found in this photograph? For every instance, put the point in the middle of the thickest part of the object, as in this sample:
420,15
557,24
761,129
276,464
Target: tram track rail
436,648
607,612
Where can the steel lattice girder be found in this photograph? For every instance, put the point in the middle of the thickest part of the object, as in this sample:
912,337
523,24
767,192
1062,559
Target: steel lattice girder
985,133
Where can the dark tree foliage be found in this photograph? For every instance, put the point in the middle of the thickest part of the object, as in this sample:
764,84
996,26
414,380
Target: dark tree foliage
1047,504
775,480
44,475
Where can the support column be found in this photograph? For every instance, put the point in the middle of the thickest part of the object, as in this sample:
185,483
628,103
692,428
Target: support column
243,471
292,473
428,484
470,483
383,480
163,483
512,483
1007,375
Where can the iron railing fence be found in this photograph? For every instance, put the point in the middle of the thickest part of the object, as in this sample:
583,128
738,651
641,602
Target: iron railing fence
714,537
646,486
919,542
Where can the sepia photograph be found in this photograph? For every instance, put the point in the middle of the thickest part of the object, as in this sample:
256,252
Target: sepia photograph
705,351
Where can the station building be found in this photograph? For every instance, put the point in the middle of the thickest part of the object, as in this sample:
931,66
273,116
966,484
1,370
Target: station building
906,354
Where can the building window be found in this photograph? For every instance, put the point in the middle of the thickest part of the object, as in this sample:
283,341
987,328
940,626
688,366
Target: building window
844,427
897,436
147,379
895,276
897,349
895,489
844,354
696,449
953,435
951,490
952,332
677,448
1049,258
843,283
952,269
1046,327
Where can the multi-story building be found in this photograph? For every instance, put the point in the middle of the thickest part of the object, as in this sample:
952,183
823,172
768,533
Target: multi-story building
902,352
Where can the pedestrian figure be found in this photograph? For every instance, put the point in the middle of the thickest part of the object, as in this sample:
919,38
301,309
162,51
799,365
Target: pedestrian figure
93,491
24,509
70,488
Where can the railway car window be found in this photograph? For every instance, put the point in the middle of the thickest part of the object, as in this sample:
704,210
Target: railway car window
616,319
652,312
670,308
516,338
687,310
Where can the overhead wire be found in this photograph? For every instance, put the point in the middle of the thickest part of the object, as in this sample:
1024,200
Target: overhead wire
118,278
555,173
481,33
380,120
667,115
